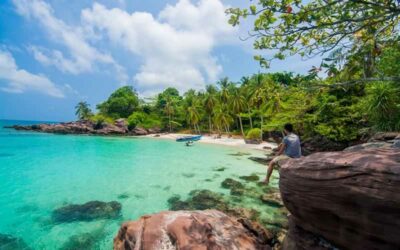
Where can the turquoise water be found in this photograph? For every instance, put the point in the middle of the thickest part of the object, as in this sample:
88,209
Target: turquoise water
42,172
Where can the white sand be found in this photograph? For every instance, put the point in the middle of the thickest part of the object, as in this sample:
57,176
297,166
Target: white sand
224,140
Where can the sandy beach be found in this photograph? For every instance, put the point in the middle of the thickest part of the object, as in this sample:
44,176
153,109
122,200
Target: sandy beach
224,140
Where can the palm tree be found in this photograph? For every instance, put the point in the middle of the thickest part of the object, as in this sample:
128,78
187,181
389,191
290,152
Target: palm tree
224,93
245,89
238,104
82,111
210,101
222,119
169,110
258,96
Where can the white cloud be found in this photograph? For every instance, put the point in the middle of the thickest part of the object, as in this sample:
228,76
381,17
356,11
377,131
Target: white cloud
176,47
83,56
19,80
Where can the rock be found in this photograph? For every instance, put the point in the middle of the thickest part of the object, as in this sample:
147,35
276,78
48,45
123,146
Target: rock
81,241
272,199
139,131
121,123
384,136
298,238
396,143
230,183
8,242
86,212
109,129
199,200
321,144
208,229
249,141
368,145
261,160
350,198
252,177
154,130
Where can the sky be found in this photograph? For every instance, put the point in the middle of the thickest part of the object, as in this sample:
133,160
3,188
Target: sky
56,53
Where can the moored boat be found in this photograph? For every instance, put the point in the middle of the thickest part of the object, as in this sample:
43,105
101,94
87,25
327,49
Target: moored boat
189,138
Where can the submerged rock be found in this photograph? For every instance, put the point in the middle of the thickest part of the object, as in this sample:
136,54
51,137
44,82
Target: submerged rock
8,242
252,177
199,200
86,212
351,198
80,241
208,229
261,160
236,187
272,199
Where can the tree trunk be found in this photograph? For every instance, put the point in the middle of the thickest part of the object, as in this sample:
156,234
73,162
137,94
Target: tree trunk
169,121
209,123
241,125
251,119
262,121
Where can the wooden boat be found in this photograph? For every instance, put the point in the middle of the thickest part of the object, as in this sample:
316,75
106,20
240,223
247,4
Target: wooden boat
189,138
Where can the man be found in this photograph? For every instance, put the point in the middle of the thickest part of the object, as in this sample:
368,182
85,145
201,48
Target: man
289,148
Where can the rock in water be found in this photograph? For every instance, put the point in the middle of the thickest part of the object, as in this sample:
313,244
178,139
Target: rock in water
8,242
352,198
209,229
86,212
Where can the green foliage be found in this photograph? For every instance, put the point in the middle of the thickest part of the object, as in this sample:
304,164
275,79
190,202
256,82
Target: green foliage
254,134
123,102
99,120
141,119
383,106
309,28
82,111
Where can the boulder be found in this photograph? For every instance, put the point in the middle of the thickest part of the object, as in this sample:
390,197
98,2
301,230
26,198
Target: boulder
351,198
109,129
139,131
197,230
368,145
384,136
261,160
154,130
87,212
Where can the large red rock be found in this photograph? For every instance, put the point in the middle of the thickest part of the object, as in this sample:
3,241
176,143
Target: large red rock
194,230
352,198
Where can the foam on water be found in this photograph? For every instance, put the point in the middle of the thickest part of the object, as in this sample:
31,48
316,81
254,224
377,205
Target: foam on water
42,172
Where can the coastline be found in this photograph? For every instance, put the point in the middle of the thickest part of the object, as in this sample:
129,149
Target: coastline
224,140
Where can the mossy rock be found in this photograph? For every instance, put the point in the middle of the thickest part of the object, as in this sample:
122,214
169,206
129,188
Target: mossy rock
230,183
87,212
199,200
9,242
81,241
252,177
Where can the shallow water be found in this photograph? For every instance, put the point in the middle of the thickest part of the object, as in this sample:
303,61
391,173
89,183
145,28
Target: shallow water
42,172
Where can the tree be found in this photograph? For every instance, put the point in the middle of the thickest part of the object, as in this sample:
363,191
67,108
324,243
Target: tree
169,109
238,104
121,104
316,27
82,111
210,101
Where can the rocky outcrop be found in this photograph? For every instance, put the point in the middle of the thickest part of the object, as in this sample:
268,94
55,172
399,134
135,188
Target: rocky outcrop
351,199
87,212
196,230
87,127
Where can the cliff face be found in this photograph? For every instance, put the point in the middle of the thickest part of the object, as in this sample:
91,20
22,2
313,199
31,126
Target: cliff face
350,198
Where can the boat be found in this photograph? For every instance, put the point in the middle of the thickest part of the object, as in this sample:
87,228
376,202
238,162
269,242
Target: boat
189,138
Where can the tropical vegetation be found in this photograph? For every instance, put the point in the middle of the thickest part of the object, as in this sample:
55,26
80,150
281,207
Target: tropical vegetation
355,89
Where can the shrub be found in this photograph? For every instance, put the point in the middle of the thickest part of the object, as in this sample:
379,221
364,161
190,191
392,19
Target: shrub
254,134
99,120
143,120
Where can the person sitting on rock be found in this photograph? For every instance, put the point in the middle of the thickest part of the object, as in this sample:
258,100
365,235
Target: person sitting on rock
289,148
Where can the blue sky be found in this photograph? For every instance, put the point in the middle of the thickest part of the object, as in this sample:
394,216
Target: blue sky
56,53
